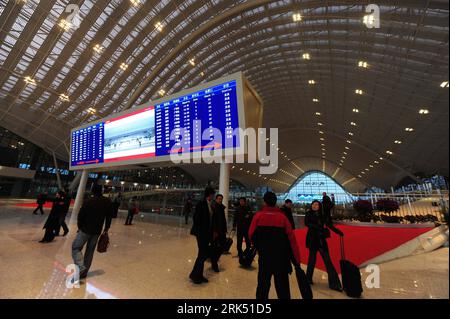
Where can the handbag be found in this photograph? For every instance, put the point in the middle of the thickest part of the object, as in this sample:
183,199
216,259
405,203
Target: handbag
103,243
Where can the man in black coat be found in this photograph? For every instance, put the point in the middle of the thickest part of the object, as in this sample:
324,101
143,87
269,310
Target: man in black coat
202,230
41,199
219,231
241,222
287,210
95,212
327,205
62,217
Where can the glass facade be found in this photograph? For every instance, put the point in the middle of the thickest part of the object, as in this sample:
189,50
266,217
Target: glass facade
311,185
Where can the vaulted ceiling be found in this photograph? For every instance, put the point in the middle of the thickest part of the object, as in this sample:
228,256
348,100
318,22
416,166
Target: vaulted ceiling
123,52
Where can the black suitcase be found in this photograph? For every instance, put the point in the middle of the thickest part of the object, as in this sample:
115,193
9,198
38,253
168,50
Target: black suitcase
351,277
303,285
247,257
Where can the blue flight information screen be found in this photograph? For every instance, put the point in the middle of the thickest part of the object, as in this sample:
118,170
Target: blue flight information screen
87,145
203,120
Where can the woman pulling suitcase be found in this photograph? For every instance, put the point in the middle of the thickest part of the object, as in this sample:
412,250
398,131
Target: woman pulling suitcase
319,227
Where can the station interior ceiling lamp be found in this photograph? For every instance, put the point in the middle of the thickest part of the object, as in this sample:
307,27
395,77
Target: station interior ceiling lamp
444,84
363,64
159,26
297,17
29,80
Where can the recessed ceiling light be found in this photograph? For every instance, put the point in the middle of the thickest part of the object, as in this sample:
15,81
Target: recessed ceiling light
444,84
297,17
311,82
135,2
409,129
64,24
389,152
30,80
397,142
347,148
161,92
423,111
124,66
318,113
353,123
306,56
320,132
315,100
350,133
355,110
349,142
320,124
192,62
98,48
363,64
370,165
376,162
91,110
359,91
159,26
64,97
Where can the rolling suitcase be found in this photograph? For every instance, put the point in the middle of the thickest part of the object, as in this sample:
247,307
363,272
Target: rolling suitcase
351,277
303,285
247,257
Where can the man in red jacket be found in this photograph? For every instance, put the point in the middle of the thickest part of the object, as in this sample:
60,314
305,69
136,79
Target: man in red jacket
272,235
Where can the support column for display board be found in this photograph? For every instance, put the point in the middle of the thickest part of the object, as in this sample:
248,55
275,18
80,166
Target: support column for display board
80,193
74,182
58,176
224,184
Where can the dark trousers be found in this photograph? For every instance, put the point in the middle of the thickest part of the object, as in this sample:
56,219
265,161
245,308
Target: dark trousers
333,278
129,219
281,280
40,207
62,223
240,235
49,234
115,209
203,254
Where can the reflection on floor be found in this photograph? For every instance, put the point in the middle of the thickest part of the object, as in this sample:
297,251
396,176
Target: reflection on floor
152,259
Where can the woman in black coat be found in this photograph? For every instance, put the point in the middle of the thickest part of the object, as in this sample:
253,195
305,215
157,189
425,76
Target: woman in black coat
318,231
52,224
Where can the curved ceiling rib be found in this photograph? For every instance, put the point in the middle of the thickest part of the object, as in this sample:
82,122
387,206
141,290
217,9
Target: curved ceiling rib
407,57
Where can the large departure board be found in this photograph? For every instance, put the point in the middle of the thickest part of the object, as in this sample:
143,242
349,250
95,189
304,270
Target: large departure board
202,118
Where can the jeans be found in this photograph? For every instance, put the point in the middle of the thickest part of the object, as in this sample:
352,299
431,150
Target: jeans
84,263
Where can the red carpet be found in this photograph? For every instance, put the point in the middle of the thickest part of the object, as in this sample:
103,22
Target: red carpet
362,243
34,205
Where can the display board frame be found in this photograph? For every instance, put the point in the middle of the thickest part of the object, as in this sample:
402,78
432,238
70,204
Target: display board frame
241,84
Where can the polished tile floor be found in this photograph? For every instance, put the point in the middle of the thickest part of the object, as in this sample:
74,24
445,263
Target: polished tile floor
152,259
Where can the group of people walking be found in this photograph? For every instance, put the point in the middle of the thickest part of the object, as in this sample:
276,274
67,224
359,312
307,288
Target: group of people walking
57,217
270,232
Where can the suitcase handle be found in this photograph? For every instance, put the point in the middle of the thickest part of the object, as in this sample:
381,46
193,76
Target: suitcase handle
341,240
